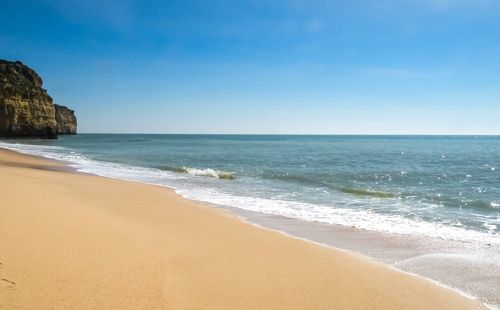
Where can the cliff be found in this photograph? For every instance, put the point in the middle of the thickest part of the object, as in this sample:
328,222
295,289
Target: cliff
66,120
26,110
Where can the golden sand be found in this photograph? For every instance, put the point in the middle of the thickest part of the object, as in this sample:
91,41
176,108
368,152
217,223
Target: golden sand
73,241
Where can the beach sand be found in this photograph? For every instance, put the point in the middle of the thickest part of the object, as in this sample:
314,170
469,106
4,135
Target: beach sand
75,241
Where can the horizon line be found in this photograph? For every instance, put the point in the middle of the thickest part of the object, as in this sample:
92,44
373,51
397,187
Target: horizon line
290,134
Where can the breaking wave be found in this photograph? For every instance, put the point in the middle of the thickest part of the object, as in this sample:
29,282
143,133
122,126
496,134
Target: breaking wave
211,173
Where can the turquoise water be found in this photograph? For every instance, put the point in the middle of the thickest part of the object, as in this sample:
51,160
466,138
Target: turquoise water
446,187
429,205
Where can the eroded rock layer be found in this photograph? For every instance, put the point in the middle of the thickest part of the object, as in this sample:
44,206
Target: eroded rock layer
26,110
66,120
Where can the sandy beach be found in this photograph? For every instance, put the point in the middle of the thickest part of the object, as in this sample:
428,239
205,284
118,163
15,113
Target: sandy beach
75,241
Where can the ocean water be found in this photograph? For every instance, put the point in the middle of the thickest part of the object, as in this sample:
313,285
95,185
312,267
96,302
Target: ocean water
443,188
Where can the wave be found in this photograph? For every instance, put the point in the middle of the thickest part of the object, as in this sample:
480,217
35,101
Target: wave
332,214
361,219
457,202
434,199
174,169
217,174
309,181
288,177
364,192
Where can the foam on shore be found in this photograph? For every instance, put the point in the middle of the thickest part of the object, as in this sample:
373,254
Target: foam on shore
350,217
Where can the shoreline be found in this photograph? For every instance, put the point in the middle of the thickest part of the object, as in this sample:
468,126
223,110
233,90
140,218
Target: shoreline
297,234
29,165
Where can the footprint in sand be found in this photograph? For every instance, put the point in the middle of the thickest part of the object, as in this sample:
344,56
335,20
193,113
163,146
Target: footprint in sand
6,282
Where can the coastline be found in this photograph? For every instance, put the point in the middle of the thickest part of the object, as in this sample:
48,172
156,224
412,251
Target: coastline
144,246
395,252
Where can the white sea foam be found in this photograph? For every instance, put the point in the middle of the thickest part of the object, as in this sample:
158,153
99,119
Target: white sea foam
209,173
86,165
359,218
363,219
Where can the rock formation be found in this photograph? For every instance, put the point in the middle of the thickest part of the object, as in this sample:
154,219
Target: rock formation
26,110
66,120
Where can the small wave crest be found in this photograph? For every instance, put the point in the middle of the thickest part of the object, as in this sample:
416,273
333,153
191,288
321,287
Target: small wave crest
331,214
362,219
211,173
309,181
288,177
364,192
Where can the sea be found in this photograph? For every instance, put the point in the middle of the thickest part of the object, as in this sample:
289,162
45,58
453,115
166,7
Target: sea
426,205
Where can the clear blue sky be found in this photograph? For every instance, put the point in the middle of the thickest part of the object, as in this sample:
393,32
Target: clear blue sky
387,66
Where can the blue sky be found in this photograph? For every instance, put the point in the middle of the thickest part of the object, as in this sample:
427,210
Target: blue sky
327,67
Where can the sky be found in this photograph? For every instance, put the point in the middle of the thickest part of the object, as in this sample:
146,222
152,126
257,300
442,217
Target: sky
293,67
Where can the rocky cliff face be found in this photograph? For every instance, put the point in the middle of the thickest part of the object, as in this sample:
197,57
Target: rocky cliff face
66,120
26,110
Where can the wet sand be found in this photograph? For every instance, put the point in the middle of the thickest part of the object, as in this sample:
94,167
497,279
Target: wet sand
472,270
75,241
